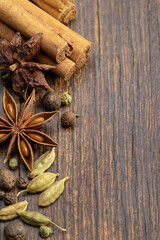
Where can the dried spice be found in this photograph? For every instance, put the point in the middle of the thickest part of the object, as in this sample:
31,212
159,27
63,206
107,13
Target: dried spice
52,193
62,10
79,46
13,163
10,212
18,64
24,127
68,119
2,193
64,70
7,179
15,231
22,182
51,101
36,219
45,231
66,98
43,163
40,183
9,198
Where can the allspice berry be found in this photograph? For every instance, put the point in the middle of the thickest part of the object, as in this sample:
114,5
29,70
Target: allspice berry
15,230
22,182
13,163
7,179
51,101
45,231
66,98
68,119
9,198
2,193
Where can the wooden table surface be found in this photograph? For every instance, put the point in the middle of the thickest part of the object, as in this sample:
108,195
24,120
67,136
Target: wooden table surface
112,155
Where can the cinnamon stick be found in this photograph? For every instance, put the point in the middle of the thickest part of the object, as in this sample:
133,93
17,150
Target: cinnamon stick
22,20
63,70
62,10
81,46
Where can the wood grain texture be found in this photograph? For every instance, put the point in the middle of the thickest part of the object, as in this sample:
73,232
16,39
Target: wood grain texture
112,155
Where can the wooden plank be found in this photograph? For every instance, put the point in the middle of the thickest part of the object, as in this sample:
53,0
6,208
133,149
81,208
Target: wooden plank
112,155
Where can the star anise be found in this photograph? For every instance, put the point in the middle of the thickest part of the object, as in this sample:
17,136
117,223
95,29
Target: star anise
24,127
18,66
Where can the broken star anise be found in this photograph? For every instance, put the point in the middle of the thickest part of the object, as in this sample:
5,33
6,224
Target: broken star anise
24,127
18,66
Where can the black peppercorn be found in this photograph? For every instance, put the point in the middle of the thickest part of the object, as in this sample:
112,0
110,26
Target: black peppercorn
15,231
9,198
22,182
2,193
68,119
7,179
51,101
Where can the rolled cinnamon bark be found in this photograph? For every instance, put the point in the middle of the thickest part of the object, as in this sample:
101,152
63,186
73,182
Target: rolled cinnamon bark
62,10
22,20
63,70
81,46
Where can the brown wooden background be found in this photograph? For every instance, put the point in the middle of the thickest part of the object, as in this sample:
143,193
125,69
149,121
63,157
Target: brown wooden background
112,155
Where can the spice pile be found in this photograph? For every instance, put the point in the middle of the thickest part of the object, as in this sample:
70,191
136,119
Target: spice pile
41,182
26,128
62,48
63,51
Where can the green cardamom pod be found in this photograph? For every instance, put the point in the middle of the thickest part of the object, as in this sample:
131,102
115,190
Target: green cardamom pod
52,193
10,212
40,183
36,219
43,163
